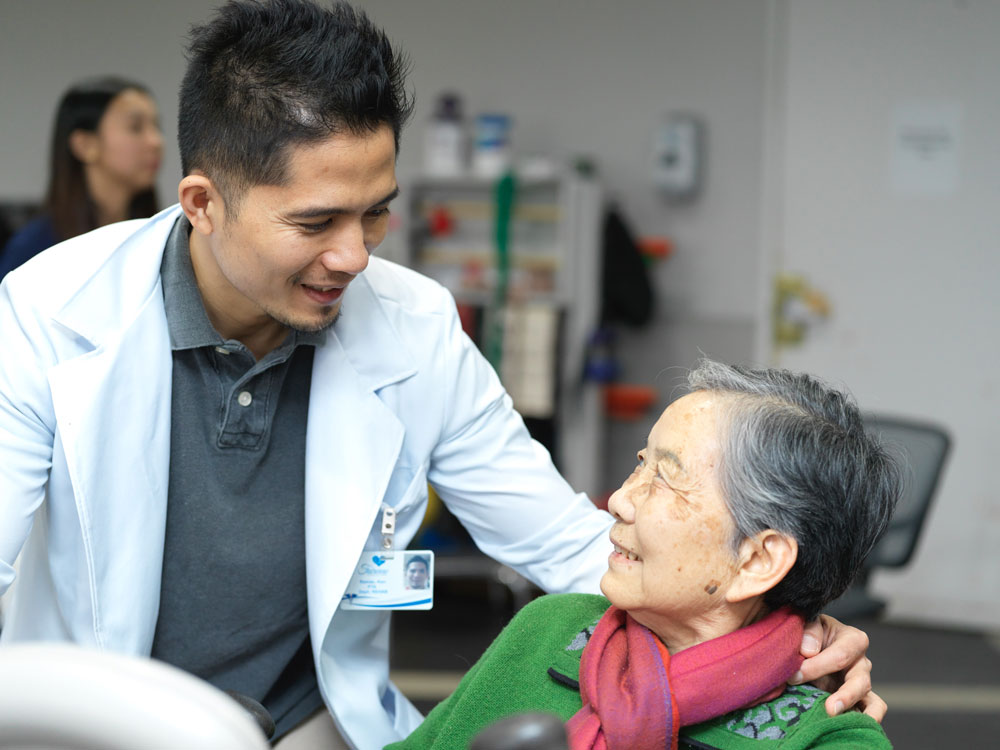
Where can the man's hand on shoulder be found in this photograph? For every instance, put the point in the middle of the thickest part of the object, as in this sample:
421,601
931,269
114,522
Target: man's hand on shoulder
836,662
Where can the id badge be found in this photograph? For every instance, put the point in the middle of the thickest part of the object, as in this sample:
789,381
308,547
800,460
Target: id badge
404,580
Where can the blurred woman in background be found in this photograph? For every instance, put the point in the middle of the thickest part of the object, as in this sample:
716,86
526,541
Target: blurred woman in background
106,151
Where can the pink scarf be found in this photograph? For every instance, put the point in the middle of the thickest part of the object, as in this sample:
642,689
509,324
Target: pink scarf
636,695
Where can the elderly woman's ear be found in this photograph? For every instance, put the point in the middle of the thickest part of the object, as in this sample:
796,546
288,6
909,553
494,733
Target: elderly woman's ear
764,559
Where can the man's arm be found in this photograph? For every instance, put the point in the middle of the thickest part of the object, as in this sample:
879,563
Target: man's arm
503,486
26,439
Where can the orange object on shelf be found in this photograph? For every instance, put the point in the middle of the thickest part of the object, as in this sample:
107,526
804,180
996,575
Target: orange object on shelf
440,223
628,402
656,247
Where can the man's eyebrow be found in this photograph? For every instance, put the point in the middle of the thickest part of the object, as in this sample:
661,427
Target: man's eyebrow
668,456
316,212
391,196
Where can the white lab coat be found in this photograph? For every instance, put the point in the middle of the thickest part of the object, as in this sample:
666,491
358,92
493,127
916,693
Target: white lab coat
399,397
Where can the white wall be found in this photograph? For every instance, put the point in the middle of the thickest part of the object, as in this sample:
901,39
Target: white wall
910,264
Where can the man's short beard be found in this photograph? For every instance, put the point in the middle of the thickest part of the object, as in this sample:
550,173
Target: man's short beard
317,328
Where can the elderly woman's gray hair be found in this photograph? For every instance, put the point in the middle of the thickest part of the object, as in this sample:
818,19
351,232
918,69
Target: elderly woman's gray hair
796,458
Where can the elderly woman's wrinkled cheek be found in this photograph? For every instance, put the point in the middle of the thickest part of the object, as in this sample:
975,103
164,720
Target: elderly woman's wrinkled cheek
681,512
715,564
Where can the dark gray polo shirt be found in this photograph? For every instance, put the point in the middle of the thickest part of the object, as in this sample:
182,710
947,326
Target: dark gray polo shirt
233,595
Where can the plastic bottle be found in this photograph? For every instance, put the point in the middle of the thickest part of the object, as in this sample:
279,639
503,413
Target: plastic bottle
491,156
445,146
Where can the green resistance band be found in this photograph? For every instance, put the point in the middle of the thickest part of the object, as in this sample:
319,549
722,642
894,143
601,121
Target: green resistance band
504,196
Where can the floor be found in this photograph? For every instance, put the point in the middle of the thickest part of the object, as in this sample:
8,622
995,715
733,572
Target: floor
942,686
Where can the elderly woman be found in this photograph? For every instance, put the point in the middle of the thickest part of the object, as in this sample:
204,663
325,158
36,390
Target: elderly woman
753,505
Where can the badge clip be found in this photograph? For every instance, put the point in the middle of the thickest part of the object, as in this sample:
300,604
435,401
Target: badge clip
388,531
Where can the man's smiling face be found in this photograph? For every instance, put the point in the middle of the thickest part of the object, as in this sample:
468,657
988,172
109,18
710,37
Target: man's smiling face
290,252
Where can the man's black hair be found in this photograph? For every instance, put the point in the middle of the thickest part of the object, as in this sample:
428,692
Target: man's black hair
265,75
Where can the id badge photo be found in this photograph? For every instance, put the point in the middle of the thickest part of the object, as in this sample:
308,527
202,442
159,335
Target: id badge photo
390,579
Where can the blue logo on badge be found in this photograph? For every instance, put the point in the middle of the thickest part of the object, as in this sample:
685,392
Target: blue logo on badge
378,560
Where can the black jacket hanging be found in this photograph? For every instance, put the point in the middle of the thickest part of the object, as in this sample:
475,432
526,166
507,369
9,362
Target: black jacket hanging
626,291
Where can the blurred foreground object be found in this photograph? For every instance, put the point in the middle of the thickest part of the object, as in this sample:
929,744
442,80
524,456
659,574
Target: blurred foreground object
529,731
63,697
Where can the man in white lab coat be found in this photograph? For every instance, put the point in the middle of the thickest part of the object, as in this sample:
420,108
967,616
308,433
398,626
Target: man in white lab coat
204,416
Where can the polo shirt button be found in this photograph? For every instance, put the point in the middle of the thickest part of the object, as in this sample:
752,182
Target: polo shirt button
244,398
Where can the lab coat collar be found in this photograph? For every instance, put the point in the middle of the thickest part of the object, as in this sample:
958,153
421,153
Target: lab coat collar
104,303
112,405
368,337
353,443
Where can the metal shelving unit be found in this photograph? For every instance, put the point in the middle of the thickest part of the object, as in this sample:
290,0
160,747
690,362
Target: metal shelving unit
552,298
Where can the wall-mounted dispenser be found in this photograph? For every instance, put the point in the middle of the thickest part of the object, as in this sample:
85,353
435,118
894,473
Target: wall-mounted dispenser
678,152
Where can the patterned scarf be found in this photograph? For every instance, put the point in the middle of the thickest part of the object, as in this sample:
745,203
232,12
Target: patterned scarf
637,696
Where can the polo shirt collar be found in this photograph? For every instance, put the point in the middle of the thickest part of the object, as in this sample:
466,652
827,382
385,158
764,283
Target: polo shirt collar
187,319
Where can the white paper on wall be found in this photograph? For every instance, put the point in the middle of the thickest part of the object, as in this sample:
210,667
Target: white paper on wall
926,146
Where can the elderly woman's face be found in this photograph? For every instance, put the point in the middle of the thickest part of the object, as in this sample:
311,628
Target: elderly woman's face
672,560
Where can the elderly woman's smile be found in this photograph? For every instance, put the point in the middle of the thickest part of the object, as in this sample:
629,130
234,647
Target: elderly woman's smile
625,553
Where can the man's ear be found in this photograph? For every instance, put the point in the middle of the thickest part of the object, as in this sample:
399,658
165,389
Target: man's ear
201,203
83,144
765,560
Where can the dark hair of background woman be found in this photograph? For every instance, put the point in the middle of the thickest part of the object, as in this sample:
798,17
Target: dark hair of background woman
67,200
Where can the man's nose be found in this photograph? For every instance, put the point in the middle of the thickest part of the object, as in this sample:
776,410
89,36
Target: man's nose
348,252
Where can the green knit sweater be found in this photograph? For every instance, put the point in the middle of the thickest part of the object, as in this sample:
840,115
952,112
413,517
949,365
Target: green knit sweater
534,665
